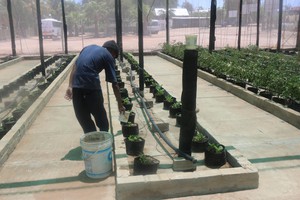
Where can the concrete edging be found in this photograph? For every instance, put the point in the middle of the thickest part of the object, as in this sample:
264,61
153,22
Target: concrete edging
242,176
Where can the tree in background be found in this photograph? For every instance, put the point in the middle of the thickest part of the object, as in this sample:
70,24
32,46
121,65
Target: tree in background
187,5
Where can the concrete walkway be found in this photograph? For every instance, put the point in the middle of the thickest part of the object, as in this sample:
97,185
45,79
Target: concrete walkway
47,164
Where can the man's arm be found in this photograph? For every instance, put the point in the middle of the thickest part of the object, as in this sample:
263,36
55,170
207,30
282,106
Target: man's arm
69,93
118,97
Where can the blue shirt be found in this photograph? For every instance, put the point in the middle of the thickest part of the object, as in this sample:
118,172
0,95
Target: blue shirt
90,62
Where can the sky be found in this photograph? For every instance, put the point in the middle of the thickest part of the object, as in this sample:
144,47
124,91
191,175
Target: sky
206,3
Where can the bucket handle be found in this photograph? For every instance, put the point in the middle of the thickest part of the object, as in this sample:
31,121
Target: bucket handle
89,157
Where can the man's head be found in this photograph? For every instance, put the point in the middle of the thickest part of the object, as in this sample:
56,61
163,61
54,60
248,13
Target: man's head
112,47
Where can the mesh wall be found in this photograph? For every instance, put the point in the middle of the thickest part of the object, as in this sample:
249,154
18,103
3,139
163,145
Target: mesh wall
93,22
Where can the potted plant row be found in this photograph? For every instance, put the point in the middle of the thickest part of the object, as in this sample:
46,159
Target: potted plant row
274,73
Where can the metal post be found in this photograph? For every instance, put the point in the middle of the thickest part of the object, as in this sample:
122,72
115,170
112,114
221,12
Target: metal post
167,23
240,24
279,25
118,18
213,16
11,27
38,12
298,35
141,46
258,23
64,26
188,99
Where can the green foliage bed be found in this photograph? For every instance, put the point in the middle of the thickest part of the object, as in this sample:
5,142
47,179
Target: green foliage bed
274,72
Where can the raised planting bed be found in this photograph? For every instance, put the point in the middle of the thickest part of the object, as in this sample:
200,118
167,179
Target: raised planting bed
276,73
19,94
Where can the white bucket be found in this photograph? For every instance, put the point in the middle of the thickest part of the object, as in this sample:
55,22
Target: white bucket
97,154
191,41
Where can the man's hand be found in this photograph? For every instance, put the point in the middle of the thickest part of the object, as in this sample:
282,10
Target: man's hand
69,94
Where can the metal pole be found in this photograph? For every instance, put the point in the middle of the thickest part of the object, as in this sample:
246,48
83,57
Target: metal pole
117,20
298,35
188,99
11,27
121,31
167,23
240,24
279,25
141,46
258,23
38,12
118,17
213,16
64,26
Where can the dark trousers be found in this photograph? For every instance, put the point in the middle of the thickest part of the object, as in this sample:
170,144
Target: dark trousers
88,103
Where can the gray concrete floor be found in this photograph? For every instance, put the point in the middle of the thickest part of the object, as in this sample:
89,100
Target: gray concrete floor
47,164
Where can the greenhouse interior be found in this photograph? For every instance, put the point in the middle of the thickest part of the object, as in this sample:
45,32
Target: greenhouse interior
198,99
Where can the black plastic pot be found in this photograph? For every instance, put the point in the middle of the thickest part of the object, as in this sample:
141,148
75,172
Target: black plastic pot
130,129
178,119
130,118
295,106
174,111
199,146
128,106
266,94
253,89
141,168
17,113
123,93
213,159
279,100
159,98
7,124
134,148
152,87
167,104
148,83
2,132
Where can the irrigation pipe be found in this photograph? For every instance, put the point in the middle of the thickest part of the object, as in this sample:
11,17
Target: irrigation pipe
180,153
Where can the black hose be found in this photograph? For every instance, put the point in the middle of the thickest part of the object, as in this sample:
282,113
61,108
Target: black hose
178,151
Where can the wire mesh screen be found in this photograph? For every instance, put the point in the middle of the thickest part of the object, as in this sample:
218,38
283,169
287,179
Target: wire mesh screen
4,30
93,22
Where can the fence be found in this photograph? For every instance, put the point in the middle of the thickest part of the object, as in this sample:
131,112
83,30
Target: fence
90,23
